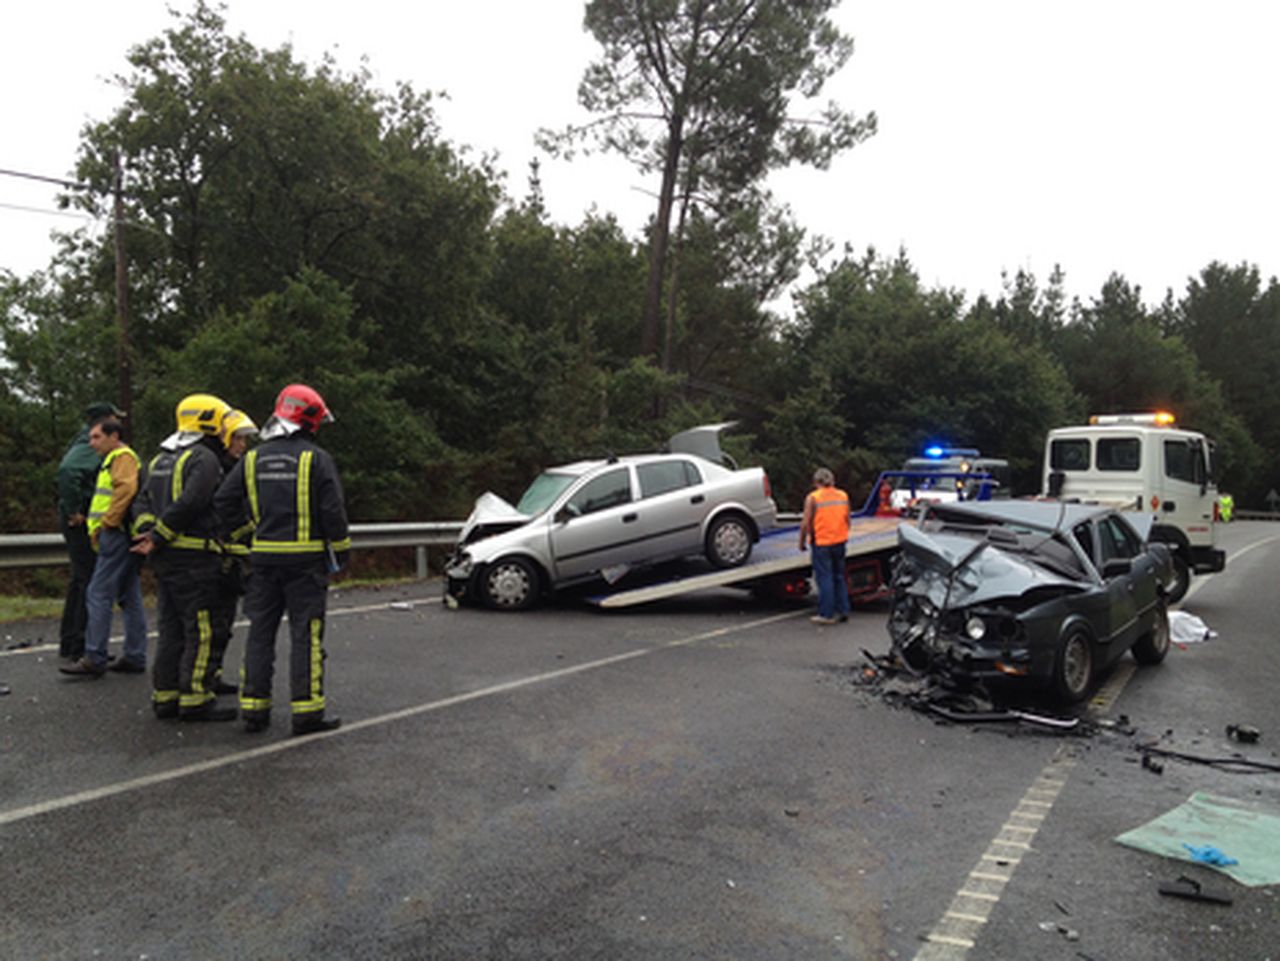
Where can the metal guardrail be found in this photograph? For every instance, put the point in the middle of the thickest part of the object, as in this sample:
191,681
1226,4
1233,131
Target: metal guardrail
48,550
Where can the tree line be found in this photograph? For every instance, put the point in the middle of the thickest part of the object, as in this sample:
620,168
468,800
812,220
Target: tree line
288,222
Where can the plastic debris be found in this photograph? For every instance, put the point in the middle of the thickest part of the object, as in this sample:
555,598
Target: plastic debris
1186,628
1192,890
1244,733
1208,854
401,606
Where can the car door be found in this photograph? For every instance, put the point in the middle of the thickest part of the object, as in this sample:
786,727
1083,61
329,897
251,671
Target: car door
672,505
591,530
1118,543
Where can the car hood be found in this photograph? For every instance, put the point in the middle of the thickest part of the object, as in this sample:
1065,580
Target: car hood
491,515
955,571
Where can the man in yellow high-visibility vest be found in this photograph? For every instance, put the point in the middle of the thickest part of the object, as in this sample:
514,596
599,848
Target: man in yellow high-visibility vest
115,573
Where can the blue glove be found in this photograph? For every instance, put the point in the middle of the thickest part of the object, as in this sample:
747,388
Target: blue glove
1208,854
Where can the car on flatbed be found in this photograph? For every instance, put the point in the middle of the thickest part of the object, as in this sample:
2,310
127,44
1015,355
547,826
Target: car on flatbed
601,519
1049,592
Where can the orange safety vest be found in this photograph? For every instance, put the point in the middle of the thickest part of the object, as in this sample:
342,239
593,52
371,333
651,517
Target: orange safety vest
830,516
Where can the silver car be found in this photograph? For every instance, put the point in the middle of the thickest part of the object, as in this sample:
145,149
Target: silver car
604,518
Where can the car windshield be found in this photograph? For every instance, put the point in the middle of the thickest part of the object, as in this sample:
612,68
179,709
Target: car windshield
540,495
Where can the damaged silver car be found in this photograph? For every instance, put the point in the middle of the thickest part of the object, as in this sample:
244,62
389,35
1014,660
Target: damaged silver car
604,518
1050,592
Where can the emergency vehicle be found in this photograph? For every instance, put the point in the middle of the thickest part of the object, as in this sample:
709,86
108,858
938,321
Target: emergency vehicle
1146,464
944,475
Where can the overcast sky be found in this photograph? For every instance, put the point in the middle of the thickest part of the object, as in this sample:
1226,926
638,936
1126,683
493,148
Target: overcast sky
1128,136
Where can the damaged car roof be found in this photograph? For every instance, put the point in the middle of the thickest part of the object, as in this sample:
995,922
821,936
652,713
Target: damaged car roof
1041,515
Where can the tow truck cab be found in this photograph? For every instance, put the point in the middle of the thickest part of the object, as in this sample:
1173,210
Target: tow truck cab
1144,463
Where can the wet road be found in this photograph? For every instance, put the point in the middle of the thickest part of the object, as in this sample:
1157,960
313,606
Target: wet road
694,779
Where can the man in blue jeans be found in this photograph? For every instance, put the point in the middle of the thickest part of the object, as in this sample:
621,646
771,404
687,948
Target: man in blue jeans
115,574
825,524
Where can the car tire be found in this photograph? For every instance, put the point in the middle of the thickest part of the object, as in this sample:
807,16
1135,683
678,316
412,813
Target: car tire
1181,580
729,541
1073,666
510,584
1154,645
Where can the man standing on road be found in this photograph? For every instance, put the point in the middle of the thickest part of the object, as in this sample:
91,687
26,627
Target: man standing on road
825,524
77,473
115,572
176,525
289,488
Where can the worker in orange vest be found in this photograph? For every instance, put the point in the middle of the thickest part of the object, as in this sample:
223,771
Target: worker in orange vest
825,525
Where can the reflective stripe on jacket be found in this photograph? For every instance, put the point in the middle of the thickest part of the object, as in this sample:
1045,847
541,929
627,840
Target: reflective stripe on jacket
105,495
288,490
830,516
176,503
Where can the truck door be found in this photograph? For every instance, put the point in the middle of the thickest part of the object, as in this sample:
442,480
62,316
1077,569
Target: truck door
1186,495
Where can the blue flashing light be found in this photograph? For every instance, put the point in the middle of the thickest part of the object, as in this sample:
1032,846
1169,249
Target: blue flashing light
934,451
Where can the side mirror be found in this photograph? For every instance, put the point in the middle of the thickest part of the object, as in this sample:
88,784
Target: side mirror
567,513
1116,567
1056,480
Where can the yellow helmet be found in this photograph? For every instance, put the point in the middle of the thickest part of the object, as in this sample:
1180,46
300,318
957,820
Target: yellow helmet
236,422
200,415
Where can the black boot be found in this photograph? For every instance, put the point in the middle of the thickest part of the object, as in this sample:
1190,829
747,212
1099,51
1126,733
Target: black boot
314,725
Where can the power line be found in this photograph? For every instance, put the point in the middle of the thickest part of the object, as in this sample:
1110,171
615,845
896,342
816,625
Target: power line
47,211
23,175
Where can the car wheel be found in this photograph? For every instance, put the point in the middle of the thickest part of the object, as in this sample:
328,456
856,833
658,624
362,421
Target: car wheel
1181,580
1154,645
510,584
729,541
1073,667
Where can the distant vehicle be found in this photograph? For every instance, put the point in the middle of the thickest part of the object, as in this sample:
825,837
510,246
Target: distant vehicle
1050,592
602,518
1145,464
990,477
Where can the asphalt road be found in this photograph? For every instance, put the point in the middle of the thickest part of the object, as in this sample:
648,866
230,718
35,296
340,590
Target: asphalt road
700,778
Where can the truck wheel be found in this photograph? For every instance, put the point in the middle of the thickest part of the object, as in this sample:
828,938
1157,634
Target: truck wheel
510,584
729,541
1073,667
1154,645
1177,589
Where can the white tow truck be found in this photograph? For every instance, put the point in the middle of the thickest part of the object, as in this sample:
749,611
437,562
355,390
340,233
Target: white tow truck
1144,463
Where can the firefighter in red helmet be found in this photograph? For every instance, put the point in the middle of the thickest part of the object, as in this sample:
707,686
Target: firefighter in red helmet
288,489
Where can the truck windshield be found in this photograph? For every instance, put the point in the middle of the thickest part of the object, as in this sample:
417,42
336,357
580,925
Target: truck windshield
541,494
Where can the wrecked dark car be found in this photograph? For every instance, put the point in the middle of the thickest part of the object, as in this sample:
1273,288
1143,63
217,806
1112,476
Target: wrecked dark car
1050,592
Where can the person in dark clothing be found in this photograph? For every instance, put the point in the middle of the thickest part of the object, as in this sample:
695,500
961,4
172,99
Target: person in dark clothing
175,528
77,473
289,489
238,429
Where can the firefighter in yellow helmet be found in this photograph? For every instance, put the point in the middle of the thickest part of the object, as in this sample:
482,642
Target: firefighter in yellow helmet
238,429
175,527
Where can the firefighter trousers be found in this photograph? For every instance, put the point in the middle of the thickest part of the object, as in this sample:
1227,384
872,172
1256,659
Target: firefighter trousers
227,593
183,672
300,589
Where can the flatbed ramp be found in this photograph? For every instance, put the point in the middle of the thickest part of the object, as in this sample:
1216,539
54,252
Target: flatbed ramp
775,553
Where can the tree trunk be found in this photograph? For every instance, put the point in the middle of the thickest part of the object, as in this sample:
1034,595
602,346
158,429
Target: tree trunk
651,325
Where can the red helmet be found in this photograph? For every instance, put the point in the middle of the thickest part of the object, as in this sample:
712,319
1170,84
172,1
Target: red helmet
299,404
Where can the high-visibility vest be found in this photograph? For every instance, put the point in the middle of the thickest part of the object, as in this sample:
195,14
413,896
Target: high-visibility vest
830,516
102,490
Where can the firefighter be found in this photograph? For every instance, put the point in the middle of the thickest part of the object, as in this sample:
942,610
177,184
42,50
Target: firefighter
175,527
289,489
238,429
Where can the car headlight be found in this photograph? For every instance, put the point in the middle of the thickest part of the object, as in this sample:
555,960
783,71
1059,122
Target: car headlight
461,565
975,627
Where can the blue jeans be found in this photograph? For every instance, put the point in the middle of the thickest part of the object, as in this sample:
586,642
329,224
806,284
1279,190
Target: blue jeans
115,577
828,574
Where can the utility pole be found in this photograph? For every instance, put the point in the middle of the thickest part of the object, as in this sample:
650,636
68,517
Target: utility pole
122,302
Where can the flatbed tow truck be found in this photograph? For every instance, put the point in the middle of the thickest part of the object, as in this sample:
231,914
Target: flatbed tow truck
778,568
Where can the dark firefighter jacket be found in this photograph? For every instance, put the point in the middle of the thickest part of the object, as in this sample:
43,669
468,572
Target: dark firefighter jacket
288,490
176,503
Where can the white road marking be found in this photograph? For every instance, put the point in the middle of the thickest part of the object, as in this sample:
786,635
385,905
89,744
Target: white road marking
275,747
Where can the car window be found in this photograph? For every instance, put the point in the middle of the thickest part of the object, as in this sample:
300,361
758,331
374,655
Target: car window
665,476
1119,453
607,490
542,492
1118,539
1182,461
1069,454
1084,537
